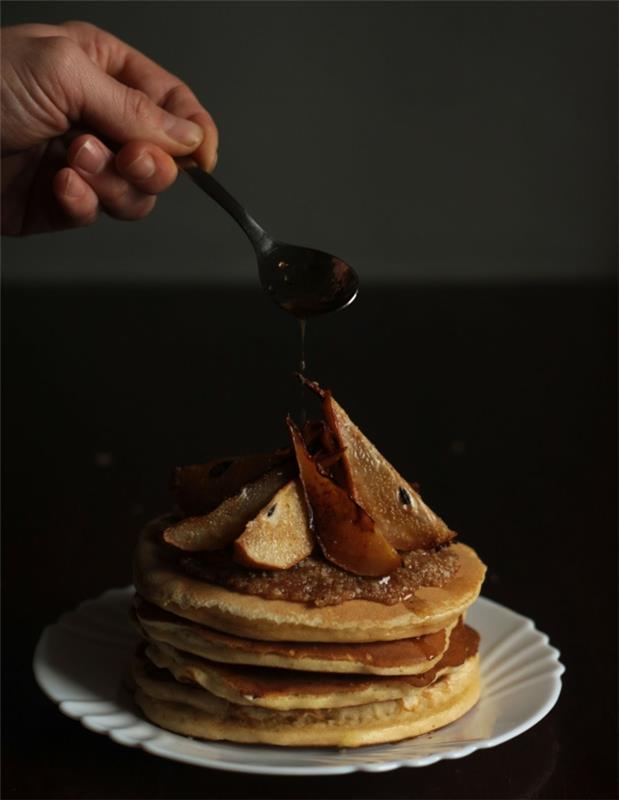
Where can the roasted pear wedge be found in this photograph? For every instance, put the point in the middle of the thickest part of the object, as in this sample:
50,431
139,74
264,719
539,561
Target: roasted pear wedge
397,509
200,488
344,531
221,527
280,536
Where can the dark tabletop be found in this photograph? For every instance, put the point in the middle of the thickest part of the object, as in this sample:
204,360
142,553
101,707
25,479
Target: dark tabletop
500,402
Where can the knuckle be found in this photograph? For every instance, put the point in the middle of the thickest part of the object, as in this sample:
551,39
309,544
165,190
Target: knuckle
59,51
80,25
93,40
138,104
118,196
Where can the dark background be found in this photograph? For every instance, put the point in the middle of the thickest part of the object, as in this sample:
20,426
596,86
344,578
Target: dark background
418,141
472,150
499,402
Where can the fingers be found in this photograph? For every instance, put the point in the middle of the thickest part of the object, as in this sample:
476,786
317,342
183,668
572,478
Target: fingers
76,198
125,184
121,112
147,167
124,114
182,102
140,100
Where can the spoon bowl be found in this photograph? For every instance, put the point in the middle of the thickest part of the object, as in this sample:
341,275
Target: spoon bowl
306,282
301,280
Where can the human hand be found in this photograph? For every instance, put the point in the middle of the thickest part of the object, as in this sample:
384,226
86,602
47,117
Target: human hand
59,81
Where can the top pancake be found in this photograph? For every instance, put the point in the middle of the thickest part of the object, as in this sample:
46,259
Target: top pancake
159,580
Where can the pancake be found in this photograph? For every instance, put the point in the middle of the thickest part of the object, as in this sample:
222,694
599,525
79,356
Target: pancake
159,580
399,657
283,690
335,619
199,713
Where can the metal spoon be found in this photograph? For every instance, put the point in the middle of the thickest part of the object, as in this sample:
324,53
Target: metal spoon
303,281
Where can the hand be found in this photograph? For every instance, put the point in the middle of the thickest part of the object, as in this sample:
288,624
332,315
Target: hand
90,124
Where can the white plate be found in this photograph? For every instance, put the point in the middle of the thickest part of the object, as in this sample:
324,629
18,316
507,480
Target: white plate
80,663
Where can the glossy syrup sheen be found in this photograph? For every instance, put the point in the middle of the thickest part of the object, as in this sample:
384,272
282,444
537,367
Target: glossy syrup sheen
315,580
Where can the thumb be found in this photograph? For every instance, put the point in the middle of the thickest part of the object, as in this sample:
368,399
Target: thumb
123,114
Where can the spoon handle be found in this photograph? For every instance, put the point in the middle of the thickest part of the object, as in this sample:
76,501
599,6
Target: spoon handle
255,233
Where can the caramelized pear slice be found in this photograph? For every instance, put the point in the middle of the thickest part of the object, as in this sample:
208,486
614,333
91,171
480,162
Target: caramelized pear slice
221,527
199,488
280,536
397,509
317,436
344,531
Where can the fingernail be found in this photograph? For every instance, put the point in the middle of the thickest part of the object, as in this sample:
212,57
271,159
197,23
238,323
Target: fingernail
184,131
73,186
89,158
142,168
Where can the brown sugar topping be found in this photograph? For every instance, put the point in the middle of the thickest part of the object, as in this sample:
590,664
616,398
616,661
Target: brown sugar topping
320,583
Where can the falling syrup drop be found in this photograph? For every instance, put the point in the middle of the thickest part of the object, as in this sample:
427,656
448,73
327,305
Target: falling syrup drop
302,368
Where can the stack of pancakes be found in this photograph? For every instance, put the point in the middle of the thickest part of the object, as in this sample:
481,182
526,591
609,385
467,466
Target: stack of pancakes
223,665
220,663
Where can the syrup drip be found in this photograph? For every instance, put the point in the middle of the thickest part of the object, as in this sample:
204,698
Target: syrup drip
302,368
302,359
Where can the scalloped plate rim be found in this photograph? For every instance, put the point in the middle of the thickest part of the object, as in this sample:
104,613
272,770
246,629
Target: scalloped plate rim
156,746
